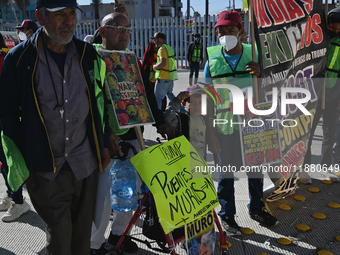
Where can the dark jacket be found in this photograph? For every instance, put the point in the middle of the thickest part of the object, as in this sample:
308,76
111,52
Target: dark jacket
20,113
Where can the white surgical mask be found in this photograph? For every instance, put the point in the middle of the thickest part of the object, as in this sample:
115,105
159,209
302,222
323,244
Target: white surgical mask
22,36
228,42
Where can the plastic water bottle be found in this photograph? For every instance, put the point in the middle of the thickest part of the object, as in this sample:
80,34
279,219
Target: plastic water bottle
123,191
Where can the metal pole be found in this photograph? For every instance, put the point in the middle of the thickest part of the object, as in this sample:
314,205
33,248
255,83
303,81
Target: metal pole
323,101
188,9
252,31
153,9
188,18
206,13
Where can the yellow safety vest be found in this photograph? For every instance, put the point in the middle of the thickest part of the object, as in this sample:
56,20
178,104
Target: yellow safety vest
171,64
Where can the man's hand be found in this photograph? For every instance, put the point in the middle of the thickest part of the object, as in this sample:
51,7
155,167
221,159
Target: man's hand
189,64
105,157
154,67
254,68
165,129
120,8
115,148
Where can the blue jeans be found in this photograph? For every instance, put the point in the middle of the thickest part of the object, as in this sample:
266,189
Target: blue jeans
194,67
231,155
163,88
17,195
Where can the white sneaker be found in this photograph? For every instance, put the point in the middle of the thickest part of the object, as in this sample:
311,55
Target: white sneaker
5,202
15,211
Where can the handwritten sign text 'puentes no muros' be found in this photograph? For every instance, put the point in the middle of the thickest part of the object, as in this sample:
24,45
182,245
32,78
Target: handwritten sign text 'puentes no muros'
181,194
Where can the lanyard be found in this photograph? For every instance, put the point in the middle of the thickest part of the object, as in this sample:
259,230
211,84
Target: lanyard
60,105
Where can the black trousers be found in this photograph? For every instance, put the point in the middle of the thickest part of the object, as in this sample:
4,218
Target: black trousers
66,207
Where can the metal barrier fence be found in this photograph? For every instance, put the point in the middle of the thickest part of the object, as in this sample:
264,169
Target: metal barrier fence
144,29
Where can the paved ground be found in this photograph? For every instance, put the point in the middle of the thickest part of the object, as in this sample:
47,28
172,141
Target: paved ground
26,235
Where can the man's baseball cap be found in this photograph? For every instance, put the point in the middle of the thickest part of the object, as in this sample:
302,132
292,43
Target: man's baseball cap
334,14
159,35
229,18
28,24
57,5
197,35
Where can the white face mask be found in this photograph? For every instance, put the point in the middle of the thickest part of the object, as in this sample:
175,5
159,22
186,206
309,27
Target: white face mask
22,36
229,42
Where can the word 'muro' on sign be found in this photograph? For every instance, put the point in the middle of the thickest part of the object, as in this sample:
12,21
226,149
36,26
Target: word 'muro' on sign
194,228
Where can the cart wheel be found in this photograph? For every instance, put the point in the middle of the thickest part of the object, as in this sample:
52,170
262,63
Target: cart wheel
163,246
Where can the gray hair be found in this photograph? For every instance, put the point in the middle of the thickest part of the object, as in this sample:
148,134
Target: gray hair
43,11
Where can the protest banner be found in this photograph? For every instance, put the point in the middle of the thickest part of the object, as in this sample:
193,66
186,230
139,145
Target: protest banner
11,38
291,38
125,86
174,173
260,138
200,235
189,27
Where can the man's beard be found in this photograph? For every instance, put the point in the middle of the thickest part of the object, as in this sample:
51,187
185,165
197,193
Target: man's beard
56,38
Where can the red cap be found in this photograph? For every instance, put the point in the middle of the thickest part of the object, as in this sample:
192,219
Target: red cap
28,24
229,18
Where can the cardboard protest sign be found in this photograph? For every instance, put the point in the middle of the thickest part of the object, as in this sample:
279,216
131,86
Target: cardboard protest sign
126,89
11,38
292,43
200,235
173,172
189,27
260,138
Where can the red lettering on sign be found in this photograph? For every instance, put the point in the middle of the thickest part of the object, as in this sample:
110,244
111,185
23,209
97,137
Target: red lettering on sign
308,36
308,31
277,11
308,4
293,9
317,36
9,43
260,14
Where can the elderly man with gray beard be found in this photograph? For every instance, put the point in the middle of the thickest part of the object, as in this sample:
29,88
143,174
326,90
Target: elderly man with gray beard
54,117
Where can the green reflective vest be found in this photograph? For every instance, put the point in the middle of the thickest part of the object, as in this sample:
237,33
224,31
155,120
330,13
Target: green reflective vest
171,64
222,73
333,63
196,54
